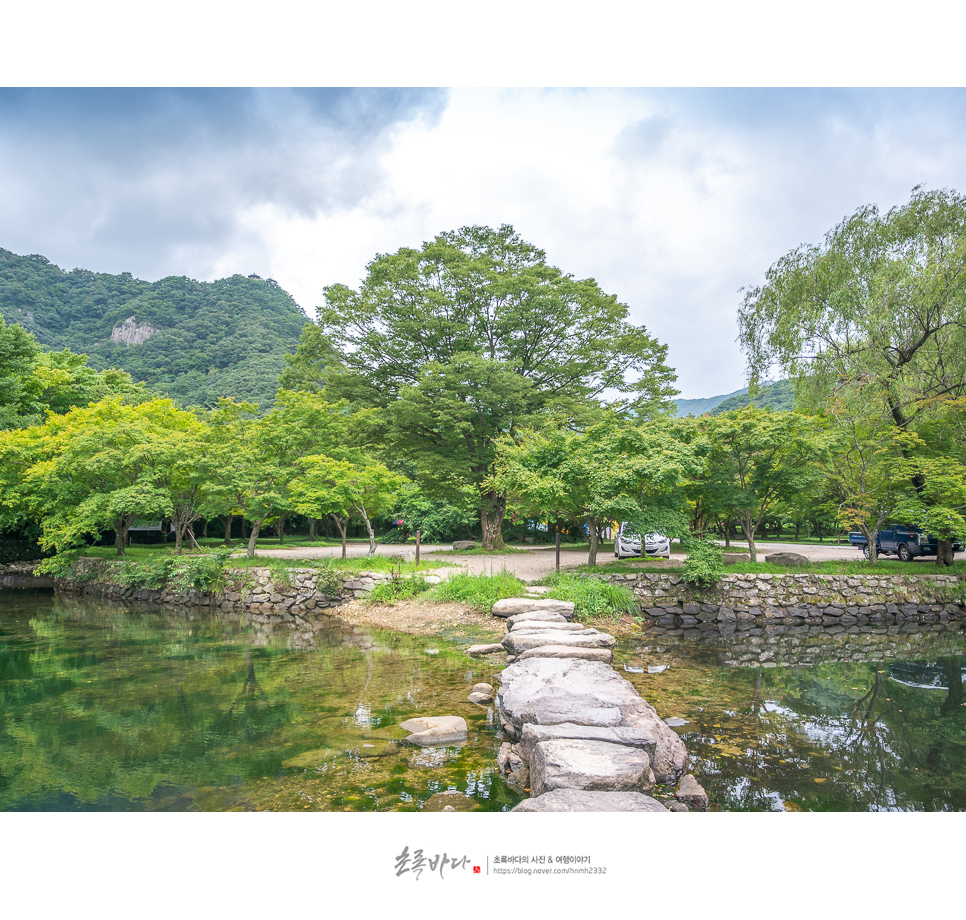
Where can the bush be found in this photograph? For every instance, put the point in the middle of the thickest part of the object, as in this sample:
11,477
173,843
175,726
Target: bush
398,588
479,591
591,597
704,565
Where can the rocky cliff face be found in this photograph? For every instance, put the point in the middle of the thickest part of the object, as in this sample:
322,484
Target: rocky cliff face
131,332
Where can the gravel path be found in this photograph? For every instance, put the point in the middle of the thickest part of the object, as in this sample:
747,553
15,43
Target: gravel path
531,564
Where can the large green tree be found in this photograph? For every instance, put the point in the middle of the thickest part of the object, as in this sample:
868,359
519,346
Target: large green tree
612,471
756,459
469,336
875,318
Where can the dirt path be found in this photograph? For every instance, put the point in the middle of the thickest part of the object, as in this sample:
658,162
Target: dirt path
532,563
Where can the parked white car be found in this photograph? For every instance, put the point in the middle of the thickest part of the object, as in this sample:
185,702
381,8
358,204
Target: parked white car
627,543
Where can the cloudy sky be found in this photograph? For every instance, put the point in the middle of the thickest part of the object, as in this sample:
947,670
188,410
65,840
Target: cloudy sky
672,199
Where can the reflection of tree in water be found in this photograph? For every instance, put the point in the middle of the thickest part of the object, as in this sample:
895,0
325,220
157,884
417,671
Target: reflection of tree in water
832,735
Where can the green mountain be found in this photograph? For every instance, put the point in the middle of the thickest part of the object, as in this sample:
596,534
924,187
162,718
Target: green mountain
686,407
194,341
778,396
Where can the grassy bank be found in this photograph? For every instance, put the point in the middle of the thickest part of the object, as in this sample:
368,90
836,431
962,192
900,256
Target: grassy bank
832,567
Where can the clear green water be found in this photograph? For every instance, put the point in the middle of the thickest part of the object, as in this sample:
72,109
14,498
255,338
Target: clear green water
108,708
808,720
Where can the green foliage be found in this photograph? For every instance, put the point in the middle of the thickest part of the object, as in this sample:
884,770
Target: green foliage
880,307
479,591
155,571
437,519
469,337
223,338
704,565
592,597
615,470
399,588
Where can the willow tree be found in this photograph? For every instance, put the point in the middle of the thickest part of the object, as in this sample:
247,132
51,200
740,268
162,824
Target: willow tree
876,316
467,338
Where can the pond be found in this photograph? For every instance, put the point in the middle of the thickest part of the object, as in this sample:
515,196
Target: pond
114,708
108,707
799,718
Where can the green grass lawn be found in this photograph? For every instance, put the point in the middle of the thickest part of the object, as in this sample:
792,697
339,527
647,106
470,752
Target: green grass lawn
147,552
859,566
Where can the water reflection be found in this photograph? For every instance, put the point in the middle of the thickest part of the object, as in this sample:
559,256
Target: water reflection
793,718
103,707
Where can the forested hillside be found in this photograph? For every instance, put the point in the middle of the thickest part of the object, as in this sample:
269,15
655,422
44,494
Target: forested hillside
697,407
778,396
195,341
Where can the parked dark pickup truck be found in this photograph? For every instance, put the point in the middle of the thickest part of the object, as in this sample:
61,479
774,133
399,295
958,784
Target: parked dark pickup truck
904,542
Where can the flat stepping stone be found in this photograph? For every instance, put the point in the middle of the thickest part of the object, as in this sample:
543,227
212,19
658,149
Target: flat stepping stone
572,763
632,737
511,605
568,651
573,800
515,644
431,731
542,616
564,625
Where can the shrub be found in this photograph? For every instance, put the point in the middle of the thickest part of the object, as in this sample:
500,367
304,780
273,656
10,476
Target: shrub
479,591
704,565
399,588
591,597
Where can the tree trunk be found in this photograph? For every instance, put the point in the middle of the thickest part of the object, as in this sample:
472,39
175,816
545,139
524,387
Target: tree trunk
120,536
372,536
256,526
226,520
491,520
748,529
592,536
313,528
280,527
204,530
870,542
177,540
343,526
944,553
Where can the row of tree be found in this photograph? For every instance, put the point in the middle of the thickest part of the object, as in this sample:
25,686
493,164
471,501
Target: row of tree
494,383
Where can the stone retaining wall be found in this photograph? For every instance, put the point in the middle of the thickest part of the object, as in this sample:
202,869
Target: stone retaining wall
254,590
831,600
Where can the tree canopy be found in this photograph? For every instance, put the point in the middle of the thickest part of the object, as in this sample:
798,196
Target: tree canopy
469,337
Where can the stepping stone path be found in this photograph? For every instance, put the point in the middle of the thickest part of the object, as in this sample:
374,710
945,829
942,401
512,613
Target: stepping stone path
581,737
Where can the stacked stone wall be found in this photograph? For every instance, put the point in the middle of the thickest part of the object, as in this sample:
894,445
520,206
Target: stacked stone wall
255,590
800,598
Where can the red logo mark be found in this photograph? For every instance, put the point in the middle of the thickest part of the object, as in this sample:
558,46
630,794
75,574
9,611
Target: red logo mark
476,870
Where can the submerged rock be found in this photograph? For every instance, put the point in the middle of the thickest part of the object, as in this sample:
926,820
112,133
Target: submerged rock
435,730
692,793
